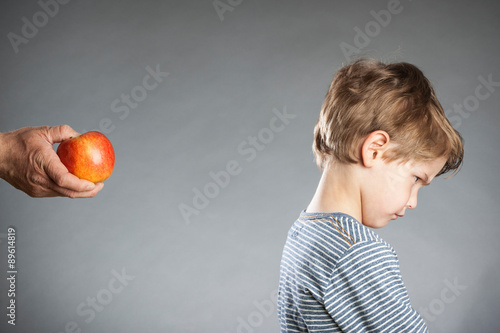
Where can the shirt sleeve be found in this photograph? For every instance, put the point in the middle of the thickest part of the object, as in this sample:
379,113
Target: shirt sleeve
367,293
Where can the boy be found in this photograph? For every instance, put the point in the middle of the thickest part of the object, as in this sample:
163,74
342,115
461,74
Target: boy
381,135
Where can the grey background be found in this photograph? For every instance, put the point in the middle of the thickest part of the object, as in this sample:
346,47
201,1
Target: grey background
218,273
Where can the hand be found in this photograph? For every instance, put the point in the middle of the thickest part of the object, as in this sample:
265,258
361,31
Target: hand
29,163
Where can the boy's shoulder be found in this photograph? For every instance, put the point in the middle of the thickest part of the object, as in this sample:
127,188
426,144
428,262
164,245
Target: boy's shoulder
334,235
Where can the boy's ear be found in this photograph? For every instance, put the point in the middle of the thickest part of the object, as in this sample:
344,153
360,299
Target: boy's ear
375,144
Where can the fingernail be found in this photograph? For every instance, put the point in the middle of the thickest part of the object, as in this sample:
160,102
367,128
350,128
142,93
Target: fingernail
90,187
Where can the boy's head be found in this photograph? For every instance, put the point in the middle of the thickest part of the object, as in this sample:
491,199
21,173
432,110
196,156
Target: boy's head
368,96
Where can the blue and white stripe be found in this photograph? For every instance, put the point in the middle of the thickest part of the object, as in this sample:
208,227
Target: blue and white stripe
339,276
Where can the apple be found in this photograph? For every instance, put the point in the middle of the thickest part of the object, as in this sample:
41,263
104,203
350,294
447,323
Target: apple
88,156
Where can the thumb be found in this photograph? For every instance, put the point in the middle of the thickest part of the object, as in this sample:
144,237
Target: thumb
61,132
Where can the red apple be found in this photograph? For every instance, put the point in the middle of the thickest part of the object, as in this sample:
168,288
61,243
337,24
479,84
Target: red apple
89,156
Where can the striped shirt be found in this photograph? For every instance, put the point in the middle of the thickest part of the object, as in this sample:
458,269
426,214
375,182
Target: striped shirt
339,276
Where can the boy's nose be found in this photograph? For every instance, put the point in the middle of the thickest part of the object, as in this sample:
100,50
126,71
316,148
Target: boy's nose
412,202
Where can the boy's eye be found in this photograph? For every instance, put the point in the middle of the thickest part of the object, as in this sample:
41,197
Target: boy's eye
416,178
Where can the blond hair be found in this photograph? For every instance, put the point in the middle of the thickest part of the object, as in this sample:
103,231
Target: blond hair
368,95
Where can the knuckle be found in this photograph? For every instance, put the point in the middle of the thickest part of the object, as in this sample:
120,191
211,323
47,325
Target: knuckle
35,179
64,128
59,180
36,192
44,132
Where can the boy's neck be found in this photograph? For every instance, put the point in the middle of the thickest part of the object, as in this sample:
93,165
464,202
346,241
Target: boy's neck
338,191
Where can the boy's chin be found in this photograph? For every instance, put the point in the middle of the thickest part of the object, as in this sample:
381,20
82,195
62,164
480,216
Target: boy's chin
376,223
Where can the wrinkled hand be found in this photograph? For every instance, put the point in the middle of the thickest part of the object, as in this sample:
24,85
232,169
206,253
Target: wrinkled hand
29,163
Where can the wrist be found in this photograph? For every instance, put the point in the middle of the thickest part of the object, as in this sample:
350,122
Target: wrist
3,154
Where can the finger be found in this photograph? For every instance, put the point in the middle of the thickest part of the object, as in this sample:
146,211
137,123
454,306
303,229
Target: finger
61,132
37,187
73,194
59,174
